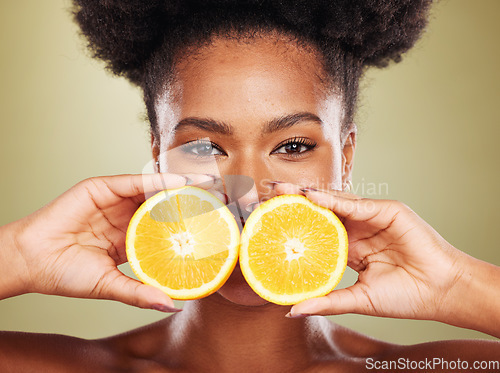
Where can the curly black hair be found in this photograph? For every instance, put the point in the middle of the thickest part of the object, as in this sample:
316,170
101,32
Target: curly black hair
142,40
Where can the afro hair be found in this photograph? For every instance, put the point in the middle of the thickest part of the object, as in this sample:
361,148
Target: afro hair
136,37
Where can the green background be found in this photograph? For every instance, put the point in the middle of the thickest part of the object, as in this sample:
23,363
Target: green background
428,137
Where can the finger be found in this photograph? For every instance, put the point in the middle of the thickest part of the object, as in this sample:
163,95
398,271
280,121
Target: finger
107,190
378,212
287,188
124,289
147,183
348,300
334,192
204,181
220,196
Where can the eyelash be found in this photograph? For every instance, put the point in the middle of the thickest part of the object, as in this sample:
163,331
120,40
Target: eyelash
309,144
188,147
301,141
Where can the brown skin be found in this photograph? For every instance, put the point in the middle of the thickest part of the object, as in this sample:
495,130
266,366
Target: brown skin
246,86
155,348
246,92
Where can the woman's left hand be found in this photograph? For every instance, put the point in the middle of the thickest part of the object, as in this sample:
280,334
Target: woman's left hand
406,269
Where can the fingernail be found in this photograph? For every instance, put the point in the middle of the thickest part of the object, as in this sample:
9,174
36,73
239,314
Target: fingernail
214,178
309,189
274,183
223,197
164,308
251,206
205,184
296,316
189,181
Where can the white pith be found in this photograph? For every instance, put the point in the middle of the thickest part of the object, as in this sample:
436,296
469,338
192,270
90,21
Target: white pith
183,243
294,249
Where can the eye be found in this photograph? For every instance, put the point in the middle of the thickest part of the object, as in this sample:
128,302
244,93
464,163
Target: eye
294,147
201,148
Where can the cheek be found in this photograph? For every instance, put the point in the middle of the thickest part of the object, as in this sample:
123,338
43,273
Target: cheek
320,171
335,166
330,110
320,174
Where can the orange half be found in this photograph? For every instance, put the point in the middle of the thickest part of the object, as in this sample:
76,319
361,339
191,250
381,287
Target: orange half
292,250
183,241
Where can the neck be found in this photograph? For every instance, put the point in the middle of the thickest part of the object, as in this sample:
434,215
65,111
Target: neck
215,334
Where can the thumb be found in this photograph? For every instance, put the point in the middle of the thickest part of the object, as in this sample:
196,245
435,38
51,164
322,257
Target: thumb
348,300
119,287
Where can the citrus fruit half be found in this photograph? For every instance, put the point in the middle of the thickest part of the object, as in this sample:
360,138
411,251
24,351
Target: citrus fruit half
183,241
292,250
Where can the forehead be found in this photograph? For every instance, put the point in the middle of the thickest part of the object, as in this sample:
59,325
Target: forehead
243,81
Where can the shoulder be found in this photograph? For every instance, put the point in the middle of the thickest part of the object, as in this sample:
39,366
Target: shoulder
359,352
143,343
356,345
50,353
130,351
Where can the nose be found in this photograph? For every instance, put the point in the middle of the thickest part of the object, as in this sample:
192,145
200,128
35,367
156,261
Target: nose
243,196
240,188
246,186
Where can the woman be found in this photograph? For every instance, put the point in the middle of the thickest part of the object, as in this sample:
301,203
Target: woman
268,91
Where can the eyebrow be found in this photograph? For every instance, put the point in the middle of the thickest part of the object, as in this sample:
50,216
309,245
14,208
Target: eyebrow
222,128
205,124
287,121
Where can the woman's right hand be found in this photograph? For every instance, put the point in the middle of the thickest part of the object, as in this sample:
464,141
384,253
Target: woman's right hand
406,269
73,245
